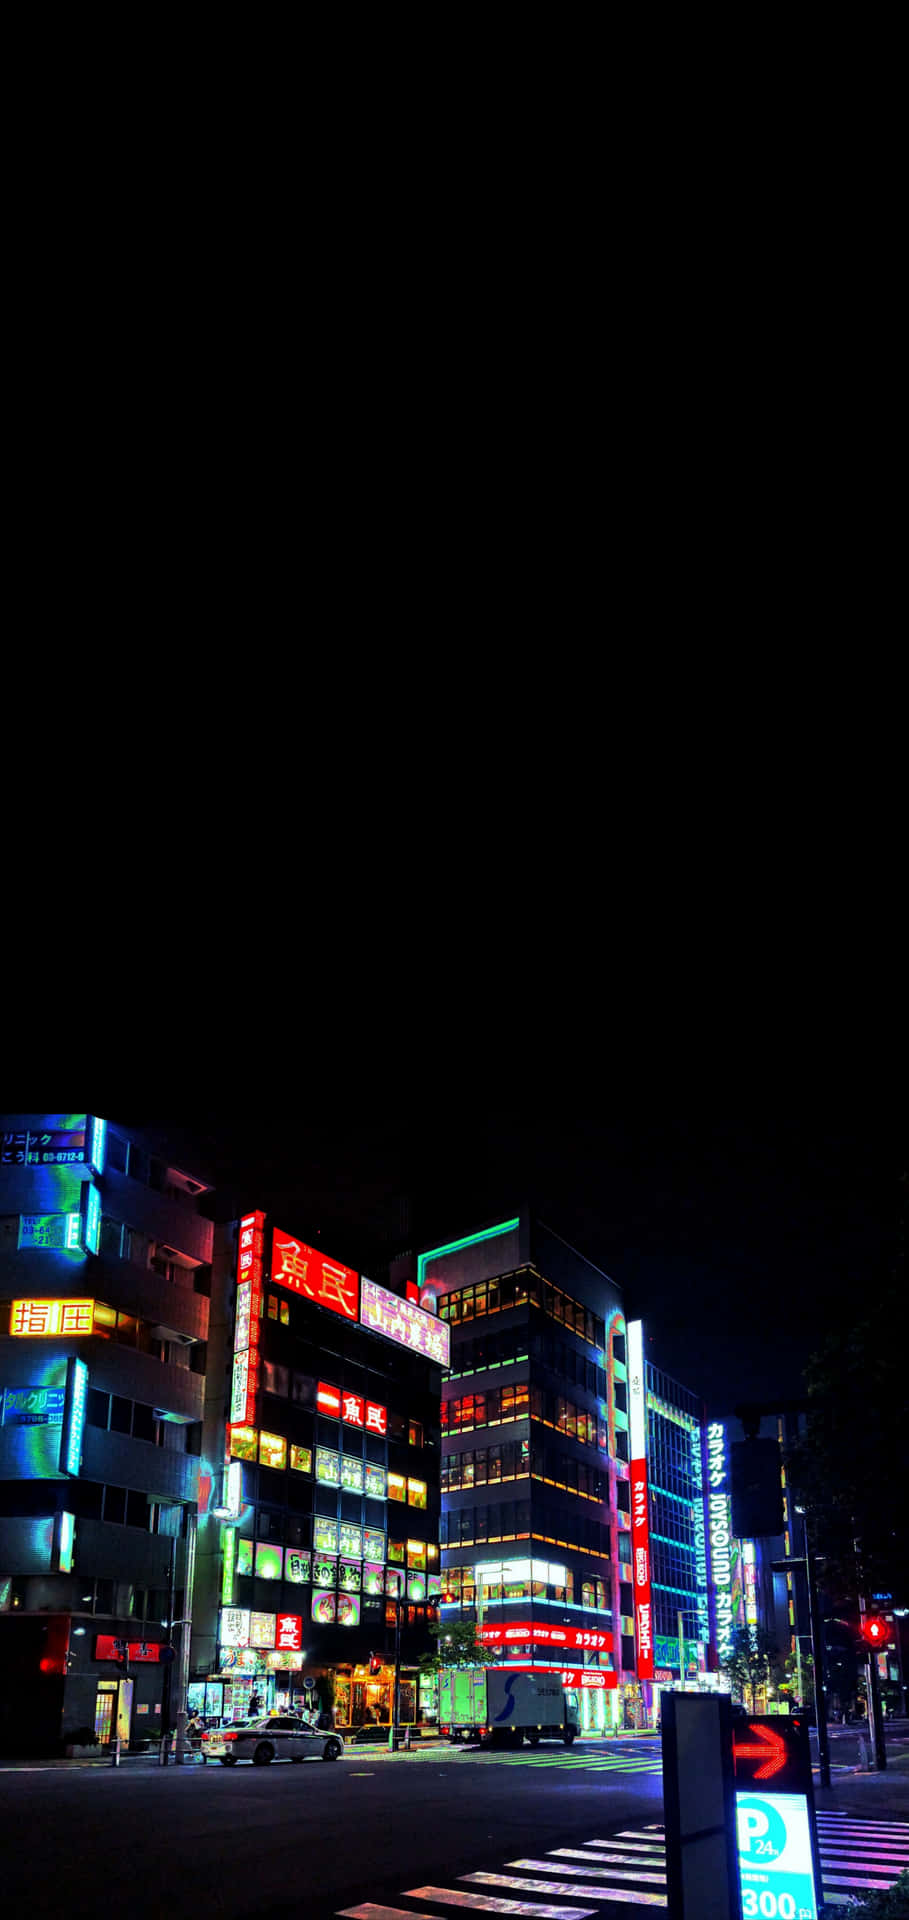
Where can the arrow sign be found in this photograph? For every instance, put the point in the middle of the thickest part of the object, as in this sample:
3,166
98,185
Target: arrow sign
772,1752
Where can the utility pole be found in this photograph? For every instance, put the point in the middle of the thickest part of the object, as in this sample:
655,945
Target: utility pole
679,1619
396,1695
166,1683
817,1651
186,1627
872,1683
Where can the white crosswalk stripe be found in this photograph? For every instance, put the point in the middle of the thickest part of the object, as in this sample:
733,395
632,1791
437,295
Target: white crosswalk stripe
629,1869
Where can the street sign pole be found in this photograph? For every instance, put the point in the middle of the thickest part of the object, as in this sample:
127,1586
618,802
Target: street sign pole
702,1876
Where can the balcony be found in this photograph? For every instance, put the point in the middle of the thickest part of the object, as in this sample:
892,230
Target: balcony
176,1313
164,1219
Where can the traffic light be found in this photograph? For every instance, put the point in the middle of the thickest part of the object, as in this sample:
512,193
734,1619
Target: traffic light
874,1630
375,1663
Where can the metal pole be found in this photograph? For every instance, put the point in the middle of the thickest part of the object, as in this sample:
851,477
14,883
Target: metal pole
186,1632
681,1653
396,1695
875,1717
166,1683
817,1652
798,1668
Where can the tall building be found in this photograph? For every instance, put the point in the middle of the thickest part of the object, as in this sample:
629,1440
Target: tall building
535,1533
105,1277
319,1531
678,1528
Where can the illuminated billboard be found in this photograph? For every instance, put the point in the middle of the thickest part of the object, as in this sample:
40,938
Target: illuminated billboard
247,1317
74,1416
640,1524
408,1326
29,1319
304,1270
719,1508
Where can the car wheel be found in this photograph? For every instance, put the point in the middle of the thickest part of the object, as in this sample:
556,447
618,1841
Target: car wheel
568,1738
534,1739
331,1750
263,1755
229,1762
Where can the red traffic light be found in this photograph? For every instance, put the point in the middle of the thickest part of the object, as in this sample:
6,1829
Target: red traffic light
874,1630
375,1663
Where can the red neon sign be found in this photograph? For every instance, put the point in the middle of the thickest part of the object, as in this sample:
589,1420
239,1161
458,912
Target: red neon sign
303,1270
289,1632
376,1418
773,1754
353,1409
519,1632
247,1319
108,1647
640,1547
328,1399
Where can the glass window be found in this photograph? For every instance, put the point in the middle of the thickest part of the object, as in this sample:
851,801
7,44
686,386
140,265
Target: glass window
479,1300
244,1443
375,1482
275,1379
301,1459
415,1433
352,1474
396,1552
416,1554
244,1556
466,1463
494,1463
328,1467
325,1536
272,1450
397,1486
467,1303
416,1493
269,1561
507,1403
521,1401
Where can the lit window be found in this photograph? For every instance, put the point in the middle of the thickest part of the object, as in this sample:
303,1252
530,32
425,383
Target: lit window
328,1467
272,1450
416,1554
416,1493
301,1459
397,1487
415,1433
244,1443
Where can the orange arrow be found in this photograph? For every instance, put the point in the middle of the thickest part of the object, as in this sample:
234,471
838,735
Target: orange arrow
773,1752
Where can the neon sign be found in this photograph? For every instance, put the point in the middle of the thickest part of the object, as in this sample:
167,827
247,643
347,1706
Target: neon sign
720,1512
74,1416
60,1232
640,1526
29,1318
398,1320
777,1842
303,1270
247,1317
523,1631
91,1202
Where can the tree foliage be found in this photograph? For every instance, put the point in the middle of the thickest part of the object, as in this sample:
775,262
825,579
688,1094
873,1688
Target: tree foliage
852,1467
457,1645
748,1664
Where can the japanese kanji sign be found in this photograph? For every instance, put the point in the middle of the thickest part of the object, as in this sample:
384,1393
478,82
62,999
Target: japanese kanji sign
407,1325
30,1317
303,1270
247,1317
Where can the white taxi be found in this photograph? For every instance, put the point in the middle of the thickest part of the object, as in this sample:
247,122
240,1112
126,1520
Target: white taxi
280,1737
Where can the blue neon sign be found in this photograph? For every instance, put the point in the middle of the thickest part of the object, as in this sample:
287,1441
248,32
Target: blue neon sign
97,1144
74,1416
91,1200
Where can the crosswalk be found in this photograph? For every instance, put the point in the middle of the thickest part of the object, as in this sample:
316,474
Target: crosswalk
600,1877
578,1762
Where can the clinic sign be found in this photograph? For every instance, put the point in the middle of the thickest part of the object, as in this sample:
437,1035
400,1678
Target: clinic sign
779,1869
719,1508
408,1326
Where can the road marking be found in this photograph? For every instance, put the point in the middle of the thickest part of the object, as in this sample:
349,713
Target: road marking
487,1903
541,1886
615,1866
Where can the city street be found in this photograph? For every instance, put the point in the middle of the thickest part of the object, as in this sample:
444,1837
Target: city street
565,1833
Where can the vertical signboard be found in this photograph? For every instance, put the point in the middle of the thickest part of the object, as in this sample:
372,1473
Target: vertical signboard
640,1525
74,1406
719,1508
247,1321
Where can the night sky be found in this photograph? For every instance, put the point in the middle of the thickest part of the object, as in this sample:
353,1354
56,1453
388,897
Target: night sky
738,1234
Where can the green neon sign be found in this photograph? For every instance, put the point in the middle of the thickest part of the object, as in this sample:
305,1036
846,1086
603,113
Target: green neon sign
454,1246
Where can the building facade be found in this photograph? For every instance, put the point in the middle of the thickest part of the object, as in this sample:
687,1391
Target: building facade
105,1278
319,1540
535,1530
678,1528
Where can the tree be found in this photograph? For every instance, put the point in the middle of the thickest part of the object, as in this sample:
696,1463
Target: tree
854,1457
457,1645
748,1664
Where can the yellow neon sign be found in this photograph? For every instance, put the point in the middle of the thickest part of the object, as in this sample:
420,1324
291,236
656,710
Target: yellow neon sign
30,1317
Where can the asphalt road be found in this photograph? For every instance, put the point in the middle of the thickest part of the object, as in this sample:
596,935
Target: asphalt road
282,1841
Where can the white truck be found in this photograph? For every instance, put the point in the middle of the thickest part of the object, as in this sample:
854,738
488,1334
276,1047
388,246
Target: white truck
501,1705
